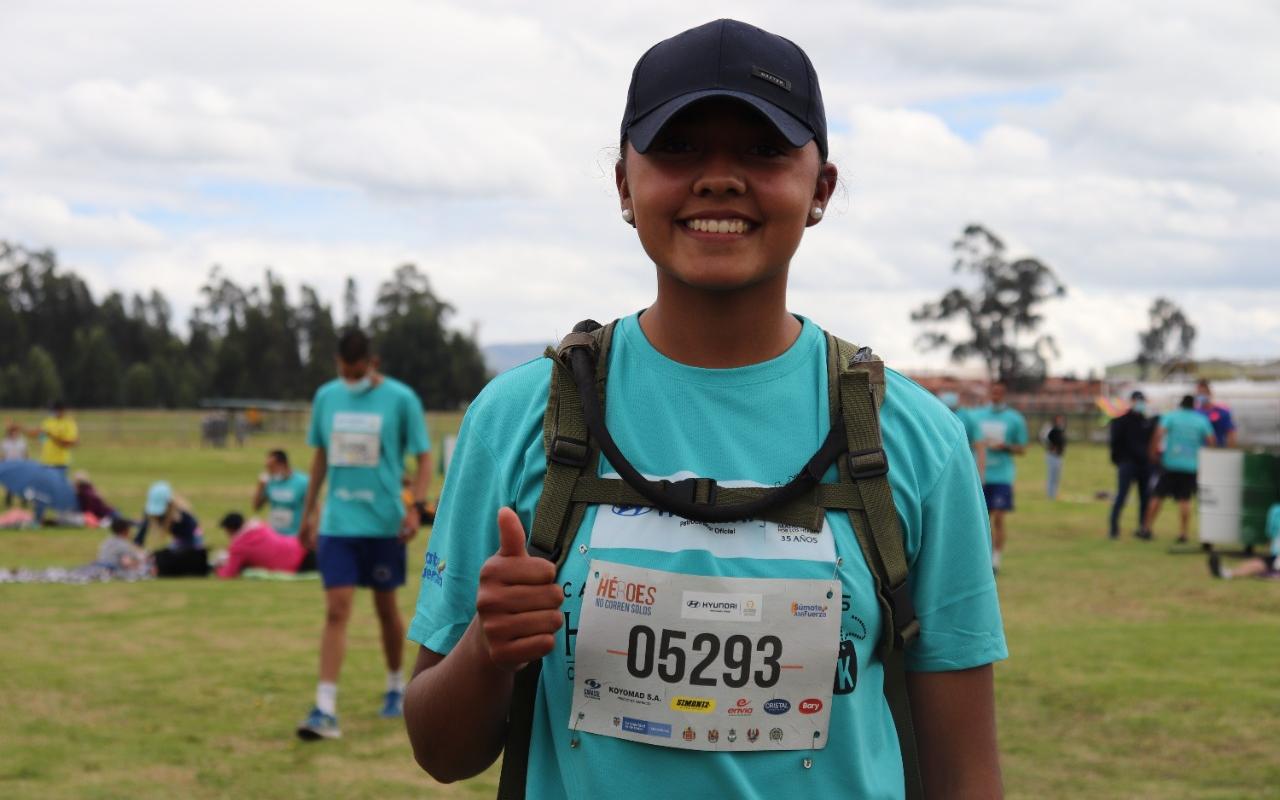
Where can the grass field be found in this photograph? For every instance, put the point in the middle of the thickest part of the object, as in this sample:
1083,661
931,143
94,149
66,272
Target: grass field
1131,674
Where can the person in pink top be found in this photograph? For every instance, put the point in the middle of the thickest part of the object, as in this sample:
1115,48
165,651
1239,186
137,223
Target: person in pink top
255,544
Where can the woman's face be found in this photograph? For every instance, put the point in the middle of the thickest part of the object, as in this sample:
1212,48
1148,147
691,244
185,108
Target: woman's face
721,199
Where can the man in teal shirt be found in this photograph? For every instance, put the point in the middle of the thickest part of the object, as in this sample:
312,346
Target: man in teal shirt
283,491
363,425
1004,434
1179,437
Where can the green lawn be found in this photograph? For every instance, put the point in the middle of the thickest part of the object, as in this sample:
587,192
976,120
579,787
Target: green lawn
1132,674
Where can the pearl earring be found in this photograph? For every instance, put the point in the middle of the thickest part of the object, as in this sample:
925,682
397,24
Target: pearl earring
816,212
628,216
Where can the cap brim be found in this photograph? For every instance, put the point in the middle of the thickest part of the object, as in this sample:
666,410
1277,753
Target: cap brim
152,510
642,132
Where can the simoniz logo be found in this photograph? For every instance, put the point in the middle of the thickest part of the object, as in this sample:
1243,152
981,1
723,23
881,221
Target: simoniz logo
693,705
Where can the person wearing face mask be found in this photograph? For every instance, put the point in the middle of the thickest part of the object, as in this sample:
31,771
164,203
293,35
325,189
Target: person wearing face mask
363,426
1004,433
1130,436
283,490
1224,427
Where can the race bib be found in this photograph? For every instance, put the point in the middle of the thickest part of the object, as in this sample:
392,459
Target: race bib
280,519
356,440
705,663
994,432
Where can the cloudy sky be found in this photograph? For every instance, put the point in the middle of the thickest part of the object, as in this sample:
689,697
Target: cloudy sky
1134,147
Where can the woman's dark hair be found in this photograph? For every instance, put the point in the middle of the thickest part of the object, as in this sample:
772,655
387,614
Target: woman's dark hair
280,455
1187,402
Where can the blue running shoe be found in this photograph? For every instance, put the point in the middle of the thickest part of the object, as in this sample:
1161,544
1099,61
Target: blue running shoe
393,704
319,725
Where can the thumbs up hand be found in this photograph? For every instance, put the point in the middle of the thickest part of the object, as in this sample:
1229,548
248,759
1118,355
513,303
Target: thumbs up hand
518,600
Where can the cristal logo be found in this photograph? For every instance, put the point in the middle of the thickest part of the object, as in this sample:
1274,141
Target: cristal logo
776,706
811,706
631,511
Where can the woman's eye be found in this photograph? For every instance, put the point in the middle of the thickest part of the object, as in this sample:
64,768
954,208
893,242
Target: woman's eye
765,150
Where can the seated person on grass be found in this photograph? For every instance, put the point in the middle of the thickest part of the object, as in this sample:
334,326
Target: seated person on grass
255,544
171,514
1267,566
90,501
116,551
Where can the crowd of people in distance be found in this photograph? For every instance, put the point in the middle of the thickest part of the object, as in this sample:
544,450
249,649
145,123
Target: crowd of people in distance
1158,455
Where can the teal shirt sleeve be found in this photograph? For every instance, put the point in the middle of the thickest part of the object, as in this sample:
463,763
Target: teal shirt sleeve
316,436
1206,429
417,440
498,461
953,588
1018,431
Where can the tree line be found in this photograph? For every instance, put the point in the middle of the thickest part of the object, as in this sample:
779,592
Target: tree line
58,342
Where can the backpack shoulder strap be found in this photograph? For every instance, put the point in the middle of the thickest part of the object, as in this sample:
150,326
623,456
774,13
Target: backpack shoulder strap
570,455
856,390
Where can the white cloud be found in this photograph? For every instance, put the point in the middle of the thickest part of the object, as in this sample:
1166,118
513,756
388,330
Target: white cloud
1135,147
44,219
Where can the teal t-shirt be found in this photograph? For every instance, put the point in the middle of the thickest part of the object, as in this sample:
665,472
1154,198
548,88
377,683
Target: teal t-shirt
971,429
1184,432
758,423
366,438
999,426
285,498
1273,527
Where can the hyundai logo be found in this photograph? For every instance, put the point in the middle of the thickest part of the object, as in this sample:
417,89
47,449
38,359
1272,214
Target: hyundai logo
631,511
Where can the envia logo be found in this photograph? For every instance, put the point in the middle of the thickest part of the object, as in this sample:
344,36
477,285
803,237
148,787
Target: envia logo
631,511
776,706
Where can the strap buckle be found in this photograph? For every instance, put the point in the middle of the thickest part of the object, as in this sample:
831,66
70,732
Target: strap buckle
871,463
568,451
906,626
537,552
686,490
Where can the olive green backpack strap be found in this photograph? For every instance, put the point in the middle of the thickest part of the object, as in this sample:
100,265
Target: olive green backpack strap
570,454
857,386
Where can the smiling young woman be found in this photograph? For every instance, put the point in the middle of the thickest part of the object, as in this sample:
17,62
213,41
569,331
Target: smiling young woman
703,651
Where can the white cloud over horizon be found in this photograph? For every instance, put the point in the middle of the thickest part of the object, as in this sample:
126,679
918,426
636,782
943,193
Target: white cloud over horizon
1134,148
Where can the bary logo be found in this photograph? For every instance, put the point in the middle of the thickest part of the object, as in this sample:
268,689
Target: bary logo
776,706
810,706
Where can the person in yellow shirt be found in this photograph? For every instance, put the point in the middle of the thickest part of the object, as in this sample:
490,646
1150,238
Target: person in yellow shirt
60,434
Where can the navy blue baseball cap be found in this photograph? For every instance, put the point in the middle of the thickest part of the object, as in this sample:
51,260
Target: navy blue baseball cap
726,58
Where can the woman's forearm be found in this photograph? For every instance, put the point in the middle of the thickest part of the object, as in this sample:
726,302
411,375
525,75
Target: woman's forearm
455,709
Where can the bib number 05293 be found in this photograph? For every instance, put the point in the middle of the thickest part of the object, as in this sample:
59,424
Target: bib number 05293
710,660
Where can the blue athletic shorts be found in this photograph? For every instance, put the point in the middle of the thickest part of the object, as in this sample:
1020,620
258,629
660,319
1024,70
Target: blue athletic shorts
999,496
377,562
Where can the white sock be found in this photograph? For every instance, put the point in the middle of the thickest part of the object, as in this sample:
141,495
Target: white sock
395,681
995,559
327,697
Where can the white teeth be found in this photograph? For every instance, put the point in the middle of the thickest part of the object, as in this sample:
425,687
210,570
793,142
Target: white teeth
717,225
